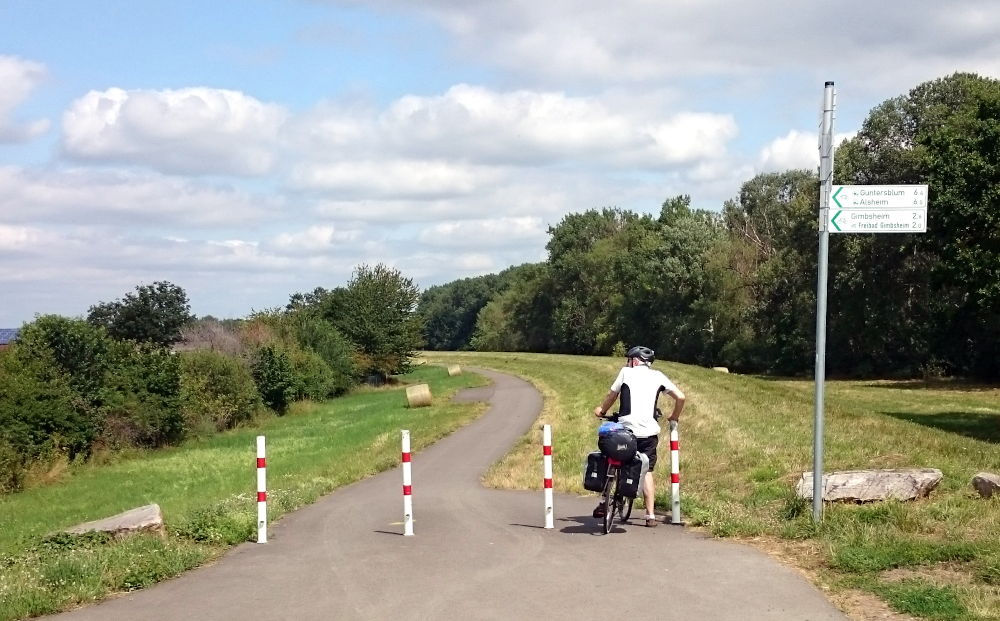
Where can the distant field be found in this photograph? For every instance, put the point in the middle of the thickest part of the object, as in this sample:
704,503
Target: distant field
206,489
745,440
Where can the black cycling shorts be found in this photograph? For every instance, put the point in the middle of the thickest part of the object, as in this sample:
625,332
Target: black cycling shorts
648,447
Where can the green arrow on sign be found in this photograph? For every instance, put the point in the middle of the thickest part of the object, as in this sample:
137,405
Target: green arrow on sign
833,220
834,197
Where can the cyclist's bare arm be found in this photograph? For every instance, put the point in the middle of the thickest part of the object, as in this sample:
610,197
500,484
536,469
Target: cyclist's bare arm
678,396
609,400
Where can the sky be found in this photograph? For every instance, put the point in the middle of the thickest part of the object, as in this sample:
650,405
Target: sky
246,150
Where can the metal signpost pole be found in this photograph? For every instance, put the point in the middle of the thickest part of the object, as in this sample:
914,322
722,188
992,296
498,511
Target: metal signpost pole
826,184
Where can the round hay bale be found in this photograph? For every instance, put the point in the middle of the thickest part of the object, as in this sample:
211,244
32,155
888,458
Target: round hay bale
454,370
720,369
418,396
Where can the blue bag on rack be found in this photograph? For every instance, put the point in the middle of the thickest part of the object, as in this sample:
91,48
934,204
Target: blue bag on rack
609,427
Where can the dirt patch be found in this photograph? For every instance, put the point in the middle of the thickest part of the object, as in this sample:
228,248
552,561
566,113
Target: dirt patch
805,556
863,606
943,574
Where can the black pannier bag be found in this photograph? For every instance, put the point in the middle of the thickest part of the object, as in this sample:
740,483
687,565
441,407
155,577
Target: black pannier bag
630,475
595,472
618,445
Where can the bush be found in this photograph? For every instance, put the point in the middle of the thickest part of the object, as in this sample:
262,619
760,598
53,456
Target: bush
40,414
12,467
272,372
313,378
216,392
140,401
315,333
79,350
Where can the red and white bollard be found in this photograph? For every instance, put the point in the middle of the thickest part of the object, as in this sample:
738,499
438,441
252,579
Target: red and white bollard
547,481
675,475
261,492
407,487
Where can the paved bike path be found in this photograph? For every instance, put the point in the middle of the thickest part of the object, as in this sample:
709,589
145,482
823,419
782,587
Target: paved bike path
476,553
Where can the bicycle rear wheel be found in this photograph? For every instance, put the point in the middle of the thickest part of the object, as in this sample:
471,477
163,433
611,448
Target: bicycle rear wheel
625,510
609,500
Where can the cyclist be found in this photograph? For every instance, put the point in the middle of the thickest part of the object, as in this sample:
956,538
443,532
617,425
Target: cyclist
639,387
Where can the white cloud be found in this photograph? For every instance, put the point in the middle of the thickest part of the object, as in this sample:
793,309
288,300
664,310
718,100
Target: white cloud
529,192
421,179
21,238
435,267
689,137
531,127
473,262
518,126
190,131
316,239
113,197
454,153
637,41
18,78
794,150
486,233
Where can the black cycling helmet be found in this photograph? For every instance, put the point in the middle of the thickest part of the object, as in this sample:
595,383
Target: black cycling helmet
642,353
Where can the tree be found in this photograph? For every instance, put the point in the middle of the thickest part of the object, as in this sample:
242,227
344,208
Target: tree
935,296
762,278
449,311
676,269
519,318
377,312
306,300
586,293
154,314
618,276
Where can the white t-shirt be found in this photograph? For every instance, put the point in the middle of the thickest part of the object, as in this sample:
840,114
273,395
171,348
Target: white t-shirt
638,389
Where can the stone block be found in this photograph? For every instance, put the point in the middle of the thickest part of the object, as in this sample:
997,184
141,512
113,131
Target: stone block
986,483
872,485
147,518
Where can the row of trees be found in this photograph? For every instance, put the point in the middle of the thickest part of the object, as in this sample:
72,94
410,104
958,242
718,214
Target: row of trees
143,372
736,287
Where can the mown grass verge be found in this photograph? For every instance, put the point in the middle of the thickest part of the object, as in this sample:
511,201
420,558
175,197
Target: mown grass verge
206,489
746,440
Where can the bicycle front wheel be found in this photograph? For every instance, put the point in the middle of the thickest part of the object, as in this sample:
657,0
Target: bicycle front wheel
609,500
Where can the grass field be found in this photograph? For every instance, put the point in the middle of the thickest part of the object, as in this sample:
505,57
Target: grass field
746,440
206,489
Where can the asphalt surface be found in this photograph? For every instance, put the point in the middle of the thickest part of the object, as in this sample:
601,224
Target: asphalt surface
476,553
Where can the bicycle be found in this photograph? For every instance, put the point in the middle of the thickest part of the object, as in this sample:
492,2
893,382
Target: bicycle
615,503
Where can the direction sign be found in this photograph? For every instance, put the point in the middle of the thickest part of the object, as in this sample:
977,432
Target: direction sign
878,209
878,220
878,196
